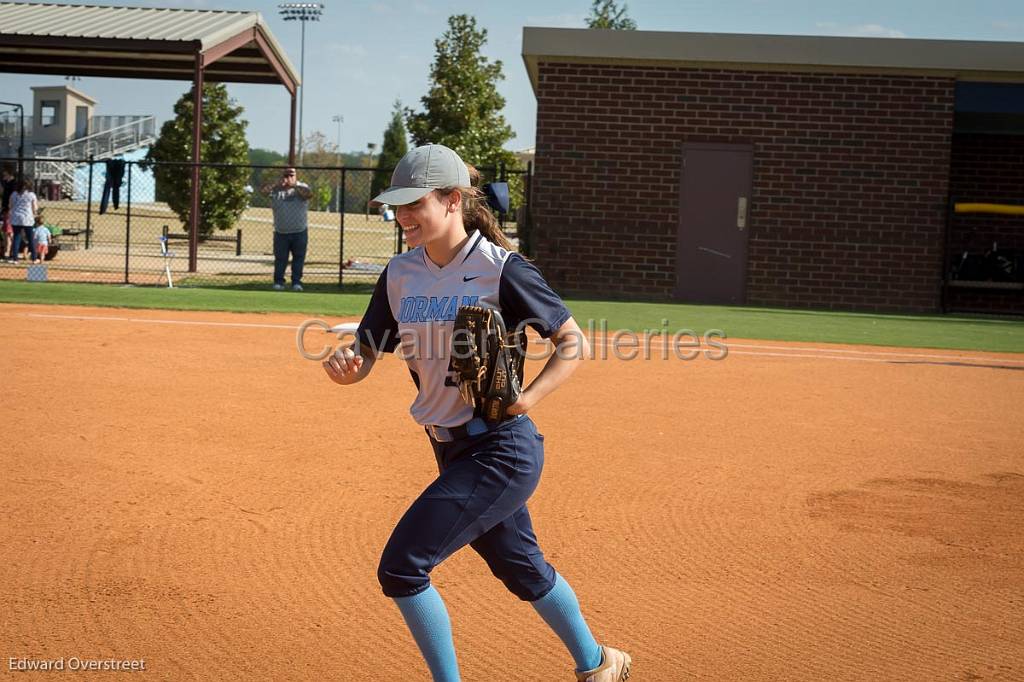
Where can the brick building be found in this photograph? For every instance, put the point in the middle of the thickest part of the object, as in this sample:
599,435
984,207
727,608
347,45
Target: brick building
788,171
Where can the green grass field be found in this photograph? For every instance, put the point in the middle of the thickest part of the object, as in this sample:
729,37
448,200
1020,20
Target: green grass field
924,331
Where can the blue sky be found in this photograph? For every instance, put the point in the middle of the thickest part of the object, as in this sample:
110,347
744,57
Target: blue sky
366,53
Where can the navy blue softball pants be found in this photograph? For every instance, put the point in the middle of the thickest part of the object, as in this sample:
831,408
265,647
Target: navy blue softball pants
478,499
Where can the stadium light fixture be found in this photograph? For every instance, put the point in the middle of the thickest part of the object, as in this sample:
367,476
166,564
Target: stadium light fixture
301,12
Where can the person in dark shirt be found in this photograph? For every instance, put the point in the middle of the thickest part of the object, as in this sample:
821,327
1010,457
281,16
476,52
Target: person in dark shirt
8,185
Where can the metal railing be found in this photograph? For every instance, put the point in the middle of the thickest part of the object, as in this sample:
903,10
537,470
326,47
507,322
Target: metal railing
120,139
106,143
99,124
11,125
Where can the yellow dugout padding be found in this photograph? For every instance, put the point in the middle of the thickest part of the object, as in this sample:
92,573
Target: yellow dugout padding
1001,209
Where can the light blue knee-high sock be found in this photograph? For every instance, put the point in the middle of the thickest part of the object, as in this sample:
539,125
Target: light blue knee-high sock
427,618
561,611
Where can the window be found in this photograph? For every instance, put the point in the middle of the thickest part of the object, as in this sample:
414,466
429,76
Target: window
48,112
996,108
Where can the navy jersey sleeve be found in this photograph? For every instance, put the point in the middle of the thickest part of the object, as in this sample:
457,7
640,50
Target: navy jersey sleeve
378,329
524,295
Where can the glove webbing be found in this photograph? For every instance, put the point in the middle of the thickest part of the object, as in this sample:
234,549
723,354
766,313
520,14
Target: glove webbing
485,333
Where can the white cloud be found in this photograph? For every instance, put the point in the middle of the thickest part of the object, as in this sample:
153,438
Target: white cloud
567,20
860,30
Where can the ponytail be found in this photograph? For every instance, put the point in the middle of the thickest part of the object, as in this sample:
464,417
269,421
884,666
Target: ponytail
476,214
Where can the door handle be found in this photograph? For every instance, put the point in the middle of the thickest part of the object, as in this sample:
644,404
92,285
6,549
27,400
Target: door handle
741,213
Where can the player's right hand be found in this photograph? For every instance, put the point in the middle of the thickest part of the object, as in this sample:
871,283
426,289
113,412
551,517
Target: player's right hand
343,366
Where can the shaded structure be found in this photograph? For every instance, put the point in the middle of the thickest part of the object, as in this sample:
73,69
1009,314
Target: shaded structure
148,43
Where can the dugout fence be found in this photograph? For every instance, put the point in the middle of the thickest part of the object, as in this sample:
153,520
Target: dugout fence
123,221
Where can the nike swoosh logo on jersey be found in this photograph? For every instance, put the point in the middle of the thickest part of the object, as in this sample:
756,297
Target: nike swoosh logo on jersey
469,279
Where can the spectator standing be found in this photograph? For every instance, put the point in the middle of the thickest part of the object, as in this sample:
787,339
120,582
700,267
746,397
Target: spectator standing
23,209
6,235
7,187
289,200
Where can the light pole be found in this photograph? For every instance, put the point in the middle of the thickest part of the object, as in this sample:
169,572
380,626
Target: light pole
339,119
301,12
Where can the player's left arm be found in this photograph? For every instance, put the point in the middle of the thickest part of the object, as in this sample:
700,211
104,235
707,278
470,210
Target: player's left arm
571,347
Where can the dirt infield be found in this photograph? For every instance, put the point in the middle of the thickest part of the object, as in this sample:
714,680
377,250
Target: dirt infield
184,488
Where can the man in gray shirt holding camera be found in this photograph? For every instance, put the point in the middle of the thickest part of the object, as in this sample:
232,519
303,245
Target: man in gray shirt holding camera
289,199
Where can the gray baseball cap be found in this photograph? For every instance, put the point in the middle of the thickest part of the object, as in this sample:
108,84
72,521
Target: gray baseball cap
426,168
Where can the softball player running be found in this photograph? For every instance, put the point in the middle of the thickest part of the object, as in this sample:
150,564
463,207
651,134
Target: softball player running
459,256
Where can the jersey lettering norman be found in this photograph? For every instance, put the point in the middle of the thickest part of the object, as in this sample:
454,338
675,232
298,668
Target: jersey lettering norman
423,309
415,302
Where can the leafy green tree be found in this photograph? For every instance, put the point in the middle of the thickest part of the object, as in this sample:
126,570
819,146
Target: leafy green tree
222,195
607,14
462,108
266,157
262,176
322,197
391,151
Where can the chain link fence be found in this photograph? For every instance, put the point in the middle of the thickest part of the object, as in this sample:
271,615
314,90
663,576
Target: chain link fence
127,222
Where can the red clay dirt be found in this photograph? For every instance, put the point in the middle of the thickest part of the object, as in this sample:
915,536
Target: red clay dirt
184,488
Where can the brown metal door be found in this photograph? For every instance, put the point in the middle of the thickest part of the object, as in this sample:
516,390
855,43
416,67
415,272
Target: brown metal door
714,211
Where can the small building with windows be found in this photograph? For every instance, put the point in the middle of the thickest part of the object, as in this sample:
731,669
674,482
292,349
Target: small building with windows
63,123
60,113
64,129
792,171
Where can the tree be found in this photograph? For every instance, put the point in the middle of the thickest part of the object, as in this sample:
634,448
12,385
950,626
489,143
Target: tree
322,197
392,150
222,195
606,14
462,109
261,176
319,152
266,157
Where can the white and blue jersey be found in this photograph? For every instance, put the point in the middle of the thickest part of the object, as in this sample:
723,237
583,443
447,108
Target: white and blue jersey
413,309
